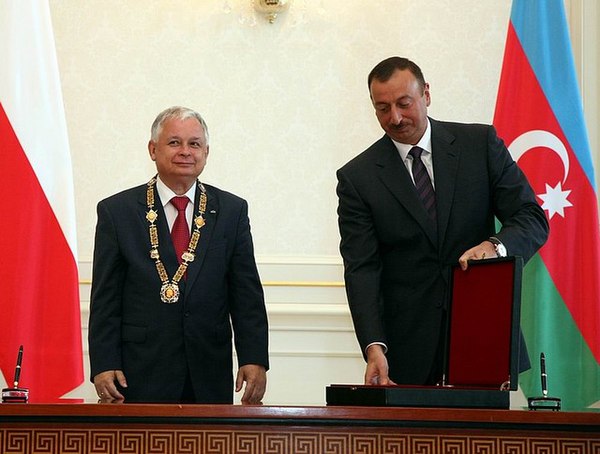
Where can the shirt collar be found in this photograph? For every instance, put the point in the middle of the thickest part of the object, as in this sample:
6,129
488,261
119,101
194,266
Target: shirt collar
166,194
424,143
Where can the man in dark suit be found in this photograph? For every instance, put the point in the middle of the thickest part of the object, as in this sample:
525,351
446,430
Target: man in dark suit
161,321
398,248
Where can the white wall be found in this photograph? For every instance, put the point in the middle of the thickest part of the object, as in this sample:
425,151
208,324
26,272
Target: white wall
286,105
584,24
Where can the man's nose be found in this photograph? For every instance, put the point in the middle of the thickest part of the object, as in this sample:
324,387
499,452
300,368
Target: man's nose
395,116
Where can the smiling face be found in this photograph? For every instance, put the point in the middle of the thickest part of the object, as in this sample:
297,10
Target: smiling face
401,106
180,153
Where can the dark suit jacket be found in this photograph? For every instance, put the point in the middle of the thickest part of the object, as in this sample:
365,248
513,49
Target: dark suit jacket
397,261
156,344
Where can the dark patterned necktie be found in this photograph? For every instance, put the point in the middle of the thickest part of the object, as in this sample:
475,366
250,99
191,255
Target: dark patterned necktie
180,233
423,182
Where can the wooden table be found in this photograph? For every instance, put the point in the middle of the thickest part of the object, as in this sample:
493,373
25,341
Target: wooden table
133,428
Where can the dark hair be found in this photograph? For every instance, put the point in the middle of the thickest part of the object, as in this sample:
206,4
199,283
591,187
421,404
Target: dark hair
384,70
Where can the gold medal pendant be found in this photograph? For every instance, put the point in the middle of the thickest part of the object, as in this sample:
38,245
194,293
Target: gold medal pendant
169,293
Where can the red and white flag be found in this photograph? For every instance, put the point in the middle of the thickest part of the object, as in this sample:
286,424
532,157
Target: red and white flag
39,285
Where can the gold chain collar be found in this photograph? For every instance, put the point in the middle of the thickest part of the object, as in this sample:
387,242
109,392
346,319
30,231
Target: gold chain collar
169,291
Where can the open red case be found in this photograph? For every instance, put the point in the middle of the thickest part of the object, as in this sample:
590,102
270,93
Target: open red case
482,355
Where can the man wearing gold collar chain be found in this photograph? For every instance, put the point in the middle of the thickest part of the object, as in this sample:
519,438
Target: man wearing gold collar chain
161,321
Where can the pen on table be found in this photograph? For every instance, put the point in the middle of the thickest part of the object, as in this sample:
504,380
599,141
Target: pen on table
543,375
18,368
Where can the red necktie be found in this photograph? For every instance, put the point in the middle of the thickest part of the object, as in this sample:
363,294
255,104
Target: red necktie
423,182
180,233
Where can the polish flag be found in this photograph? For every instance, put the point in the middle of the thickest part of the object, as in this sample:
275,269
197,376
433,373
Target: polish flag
39,288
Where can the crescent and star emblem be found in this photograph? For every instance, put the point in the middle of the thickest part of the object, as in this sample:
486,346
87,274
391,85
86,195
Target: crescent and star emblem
555,198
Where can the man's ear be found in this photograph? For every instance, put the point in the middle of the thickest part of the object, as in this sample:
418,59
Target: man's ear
427,95
152,150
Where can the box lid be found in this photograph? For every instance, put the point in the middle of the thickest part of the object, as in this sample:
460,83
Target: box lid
484,324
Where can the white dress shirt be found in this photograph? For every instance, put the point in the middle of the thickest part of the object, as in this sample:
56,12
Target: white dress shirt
426,157
165,195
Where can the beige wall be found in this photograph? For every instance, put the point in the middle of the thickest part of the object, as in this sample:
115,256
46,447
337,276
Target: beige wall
584,22
286,105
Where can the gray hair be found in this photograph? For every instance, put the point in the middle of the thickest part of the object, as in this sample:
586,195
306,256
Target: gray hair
179,113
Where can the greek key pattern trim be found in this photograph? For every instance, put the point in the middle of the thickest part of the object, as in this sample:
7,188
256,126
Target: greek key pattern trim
282,441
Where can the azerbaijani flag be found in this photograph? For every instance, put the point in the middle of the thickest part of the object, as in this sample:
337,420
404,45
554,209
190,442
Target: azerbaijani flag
539,115
39,285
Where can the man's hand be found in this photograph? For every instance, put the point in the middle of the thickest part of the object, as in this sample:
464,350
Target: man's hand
105,386
255,377
484,250
377,367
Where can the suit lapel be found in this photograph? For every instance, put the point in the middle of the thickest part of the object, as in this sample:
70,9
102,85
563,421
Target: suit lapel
445,167
210,218
396,178
165,245
141,200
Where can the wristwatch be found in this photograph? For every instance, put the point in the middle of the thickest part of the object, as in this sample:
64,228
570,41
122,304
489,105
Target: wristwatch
500,248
